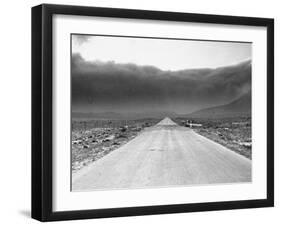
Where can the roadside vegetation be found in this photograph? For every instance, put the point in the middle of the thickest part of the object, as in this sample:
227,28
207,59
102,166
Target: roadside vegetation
234,133
91,140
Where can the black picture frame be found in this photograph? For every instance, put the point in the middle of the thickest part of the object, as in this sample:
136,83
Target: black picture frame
42,111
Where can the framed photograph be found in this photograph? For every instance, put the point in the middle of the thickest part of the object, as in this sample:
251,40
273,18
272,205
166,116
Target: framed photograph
145,112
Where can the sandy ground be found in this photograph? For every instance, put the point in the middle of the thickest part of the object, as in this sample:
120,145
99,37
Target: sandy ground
164,155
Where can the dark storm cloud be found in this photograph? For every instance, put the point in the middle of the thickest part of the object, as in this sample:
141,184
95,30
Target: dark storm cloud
80,39
125,86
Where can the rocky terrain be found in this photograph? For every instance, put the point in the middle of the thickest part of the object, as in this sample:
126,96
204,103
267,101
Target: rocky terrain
91,140
234,133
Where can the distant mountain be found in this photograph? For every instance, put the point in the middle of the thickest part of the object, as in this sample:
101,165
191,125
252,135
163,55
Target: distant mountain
90,115
238,107
158,115
114,115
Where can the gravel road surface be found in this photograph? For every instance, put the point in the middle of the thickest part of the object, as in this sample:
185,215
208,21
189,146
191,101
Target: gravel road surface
164,155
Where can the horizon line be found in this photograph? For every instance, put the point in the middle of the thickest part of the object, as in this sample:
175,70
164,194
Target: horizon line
164,70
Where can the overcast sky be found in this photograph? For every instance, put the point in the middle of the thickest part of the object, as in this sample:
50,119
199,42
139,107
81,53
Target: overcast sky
162,53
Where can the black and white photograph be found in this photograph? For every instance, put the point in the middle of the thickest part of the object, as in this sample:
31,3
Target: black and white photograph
149,112
157,112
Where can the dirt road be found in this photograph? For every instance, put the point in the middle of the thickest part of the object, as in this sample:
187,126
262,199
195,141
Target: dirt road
164,155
